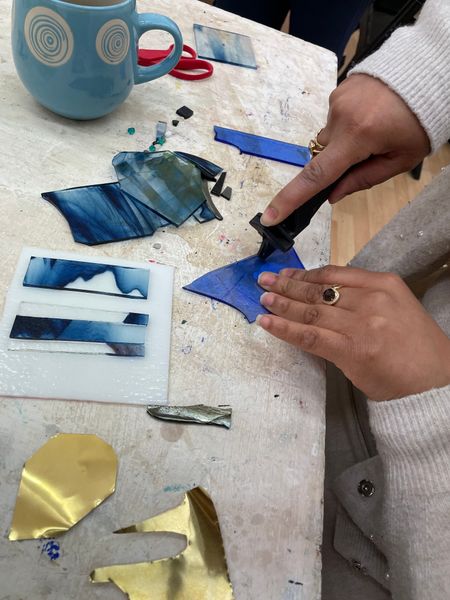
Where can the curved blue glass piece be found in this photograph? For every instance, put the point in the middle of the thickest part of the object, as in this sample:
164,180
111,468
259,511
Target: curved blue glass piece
237,284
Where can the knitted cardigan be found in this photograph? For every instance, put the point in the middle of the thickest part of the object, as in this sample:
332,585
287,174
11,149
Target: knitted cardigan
413,433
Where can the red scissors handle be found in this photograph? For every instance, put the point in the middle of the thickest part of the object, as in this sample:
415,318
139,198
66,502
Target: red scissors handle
189,67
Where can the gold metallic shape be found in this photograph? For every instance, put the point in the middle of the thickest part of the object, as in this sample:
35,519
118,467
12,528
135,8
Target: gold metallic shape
61,483
197,413
198,573
315,147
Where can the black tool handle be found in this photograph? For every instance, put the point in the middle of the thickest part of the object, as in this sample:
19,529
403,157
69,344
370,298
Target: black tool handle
281,236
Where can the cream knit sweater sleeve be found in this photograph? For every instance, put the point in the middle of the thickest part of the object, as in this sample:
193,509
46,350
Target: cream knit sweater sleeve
413,440
415,63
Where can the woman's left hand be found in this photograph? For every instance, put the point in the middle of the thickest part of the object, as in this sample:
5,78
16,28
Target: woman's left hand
377,333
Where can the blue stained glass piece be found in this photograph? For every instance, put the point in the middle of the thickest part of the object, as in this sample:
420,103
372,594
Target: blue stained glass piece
204,214
74,330
264,147
103,213
237,284
136,319
162,181
224,46
208,169
62,274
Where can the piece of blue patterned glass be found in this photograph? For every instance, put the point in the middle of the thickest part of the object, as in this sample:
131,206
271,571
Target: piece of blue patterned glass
124,340
97,278
224,46
204,214
208,169
103,213
237,284
74,330
162,181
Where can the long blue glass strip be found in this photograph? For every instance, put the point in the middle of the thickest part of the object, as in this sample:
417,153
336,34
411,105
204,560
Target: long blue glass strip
162,181
74,330
74,275
102,213
236,284
264,147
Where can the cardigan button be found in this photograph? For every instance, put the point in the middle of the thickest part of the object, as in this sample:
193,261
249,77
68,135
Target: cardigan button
366,488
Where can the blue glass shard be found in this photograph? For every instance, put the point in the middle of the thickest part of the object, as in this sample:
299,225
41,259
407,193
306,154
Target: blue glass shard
224,46
103,213
208,169
236,284
74,330
204,214
263,147
74,275
136,319
162,181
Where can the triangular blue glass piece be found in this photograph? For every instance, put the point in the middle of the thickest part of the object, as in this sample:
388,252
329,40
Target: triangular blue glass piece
236,284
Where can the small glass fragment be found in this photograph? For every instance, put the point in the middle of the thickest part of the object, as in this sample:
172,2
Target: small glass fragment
61,483
185,112
217,187
161,128
152,148
197,413
227,193
131,130
199,572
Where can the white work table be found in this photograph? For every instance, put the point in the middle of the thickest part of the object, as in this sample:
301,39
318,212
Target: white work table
265,475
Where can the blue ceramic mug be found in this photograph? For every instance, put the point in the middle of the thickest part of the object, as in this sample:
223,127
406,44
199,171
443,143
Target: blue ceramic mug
79,57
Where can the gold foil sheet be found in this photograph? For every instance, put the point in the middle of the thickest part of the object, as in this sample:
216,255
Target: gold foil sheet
61,483
197,413
198,573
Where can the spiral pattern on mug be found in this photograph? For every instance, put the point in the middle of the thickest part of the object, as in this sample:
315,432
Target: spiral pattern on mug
48,36
113,41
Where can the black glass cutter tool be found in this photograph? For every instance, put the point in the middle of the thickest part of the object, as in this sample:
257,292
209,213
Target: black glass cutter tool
282,236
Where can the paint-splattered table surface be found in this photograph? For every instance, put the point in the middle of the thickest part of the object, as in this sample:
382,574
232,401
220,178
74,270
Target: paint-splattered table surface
265,475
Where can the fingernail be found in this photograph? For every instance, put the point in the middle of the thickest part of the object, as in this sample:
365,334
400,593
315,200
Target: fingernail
263,321
287,272
267,279
269,216
266,299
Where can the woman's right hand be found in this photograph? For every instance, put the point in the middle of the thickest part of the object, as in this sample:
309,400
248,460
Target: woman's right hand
368,123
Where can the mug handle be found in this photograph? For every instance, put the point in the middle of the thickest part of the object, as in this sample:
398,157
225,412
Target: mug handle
146,22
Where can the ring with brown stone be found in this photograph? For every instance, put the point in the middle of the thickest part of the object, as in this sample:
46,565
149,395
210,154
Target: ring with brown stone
331,295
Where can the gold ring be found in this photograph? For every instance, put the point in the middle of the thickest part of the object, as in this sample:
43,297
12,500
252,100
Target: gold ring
331,295
315,147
